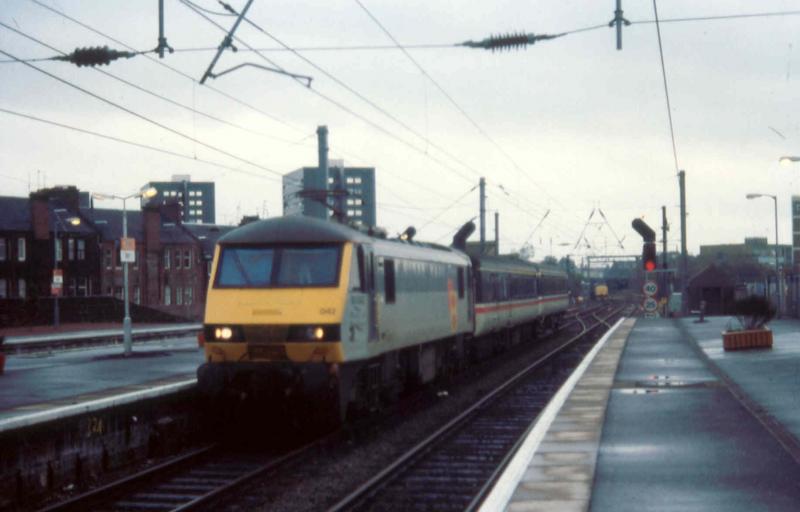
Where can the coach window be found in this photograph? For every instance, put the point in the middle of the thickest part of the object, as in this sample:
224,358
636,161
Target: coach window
388,281
460,283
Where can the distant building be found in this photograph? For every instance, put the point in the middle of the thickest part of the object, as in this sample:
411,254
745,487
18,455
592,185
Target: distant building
756,248
796,231
170,272
196,198
350,192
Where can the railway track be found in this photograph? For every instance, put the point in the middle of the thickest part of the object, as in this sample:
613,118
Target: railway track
185,483
454,467
195,480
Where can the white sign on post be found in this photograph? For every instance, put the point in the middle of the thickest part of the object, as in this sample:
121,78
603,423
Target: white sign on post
127,250
650,288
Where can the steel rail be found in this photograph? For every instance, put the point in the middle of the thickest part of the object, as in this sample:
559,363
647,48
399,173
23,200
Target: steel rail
137,484
358,496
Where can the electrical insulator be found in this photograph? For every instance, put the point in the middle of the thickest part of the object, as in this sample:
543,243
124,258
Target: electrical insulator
95,56
508,42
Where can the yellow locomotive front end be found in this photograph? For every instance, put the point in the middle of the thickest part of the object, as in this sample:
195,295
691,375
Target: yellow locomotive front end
278,304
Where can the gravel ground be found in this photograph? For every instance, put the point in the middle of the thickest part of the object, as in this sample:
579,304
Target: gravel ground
335,471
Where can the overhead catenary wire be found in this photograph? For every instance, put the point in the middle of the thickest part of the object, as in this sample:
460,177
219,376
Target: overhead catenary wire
350,111
167,66
154,94
455,104
457,200
666,88
194,81
147,119
223,166
136,144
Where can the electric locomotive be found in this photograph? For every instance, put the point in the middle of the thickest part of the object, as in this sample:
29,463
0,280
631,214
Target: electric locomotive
316,317
304,310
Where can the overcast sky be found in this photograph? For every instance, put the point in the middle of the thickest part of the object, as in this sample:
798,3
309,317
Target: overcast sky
566,125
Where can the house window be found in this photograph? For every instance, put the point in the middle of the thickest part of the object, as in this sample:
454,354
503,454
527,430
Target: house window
118,292
107,259
199,193
189,293
59,255
83,287
136,259
72,287
137,295
167,295
70,249
21,289
178,296
199,203
3,250
21,248
178,259
166,259
191,193
3,289
81,249
187,258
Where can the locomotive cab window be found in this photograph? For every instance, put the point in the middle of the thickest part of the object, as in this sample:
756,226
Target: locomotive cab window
460,283
278,267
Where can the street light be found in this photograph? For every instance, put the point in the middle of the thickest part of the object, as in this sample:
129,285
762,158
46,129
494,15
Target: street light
778,272
787,160
127,339
73,221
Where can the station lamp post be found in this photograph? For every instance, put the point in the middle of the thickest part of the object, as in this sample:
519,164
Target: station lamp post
127,338
73,221
778,272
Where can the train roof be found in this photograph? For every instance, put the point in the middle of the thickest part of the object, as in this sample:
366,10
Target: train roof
517,265
293,229
301,229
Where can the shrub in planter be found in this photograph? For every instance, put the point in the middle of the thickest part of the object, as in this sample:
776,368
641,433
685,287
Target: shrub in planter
753,313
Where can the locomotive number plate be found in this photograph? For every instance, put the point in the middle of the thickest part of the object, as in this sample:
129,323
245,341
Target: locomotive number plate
271,352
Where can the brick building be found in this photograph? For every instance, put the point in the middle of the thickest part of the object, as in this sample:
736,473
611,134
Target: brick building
167,274
170,273
30,251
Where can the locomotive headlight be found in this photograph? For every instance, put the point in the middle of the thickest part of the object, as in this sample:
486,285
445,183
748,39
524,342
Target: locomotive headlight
223,333
319,333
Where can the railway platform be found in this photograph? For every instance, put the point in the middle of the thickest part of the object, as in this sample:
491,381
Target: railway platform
40,387
663,419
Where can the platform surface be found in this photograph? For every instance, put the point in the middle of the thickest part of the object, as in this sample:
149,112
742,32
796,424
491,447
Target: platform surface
36,382
670,435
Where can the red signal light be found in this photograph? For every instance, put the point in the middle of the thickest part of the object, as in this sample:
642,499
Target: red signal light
650,265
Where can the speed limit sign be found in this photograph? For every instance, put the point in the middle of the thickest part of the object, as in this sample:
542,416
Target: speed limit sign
650,304
650,288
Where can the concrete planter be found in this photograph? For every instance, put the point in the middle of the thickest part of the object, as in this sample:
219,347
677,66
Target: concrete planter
742,340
